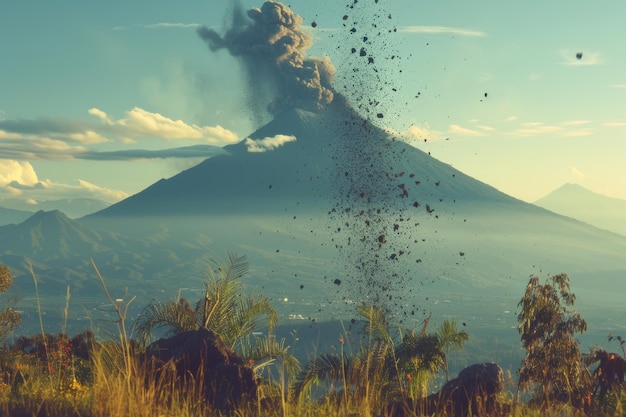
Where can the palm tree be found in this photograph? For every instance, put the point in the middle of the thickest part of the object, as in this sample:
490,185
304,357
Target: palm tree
383,368
451,338
224,309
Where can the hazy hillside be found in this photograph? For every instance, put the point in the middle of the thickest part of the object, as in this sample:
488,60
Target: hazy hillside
577,202
12,216
72,208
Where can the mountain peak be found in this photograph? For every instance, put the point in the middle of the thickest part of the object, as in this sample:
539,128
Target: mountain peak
575,201
49,235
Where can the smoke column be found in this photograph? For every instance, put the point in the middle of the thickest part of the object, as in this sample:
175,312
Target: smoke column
272,46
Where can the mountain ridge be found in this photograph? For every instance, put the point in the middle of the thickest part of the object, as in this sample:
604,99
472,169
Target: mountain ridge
575,201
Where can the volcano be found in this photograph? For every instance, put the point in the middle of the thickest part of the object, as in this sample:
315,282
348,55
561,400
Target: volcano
330,210
344,199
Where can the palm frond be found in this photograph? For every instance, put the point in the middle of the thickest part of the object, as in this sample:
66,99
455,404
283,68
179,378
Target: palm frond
450,335
325,367
426,350
377,326
178,317
267,349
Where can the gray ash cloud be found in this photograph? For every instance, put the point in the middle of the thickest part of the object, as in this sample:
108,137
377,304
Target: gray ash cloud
272,46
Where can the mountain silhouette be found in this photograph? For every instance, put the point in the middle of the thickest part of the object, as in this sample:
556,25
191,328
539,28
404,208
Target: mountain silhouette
335,152
575,201
13,216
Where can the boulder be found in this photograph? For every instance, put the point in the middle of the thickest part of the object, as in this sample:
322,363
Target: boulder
472,393
200,356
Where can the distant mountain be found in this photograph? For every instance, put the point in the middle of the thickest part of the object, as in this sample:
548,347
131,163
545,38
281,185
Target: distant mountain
12,216
60,251
71,207
52,235
577,202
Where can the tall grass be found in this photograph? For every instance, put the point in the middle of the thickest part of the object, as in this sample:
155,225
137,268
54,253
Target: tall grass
121,383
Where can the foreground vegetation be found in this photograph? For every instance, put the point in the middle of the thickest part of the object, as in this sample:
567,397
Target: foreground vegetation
55,375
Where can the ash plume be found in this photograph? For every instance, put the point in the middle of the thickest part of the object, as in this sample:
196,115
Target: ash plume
272,46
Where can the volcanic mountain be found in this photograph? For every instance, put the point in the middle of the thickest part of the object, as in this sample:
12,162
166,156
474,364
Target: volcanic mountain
344,198
330,210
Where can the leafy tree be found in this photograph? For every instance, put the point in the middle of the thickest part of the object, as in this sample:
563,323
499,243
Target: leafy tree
9,318
224,309
547,323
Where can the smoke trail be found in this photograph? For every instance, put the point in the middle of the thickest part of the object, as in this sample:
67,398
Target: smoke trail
272,47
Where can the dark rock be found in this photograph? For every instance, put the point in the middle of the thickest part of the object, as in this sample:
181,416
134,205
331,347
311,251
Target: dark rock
472,393
200,356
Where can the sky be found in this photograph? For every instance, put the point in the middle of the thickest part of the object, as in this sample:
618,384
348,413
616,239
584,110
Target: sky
101,100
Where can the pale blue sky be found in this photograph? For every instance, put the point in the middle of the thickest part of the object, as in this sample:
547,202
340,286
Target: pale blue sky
79,80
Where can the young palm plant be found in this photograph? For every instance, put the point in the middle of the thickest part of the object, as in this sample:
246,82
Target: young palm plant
384,369
451,338
224,309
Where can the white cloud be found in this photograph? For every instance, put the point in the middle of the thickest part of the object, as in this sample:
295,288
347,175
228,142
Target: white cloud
578,133
160,25
15,171
140,123
101,193
537,128
442,30
575,122
99,114
577,173
30,139
88,137
19,179
47,190
415,133
268,144
170,25
614,124
463,131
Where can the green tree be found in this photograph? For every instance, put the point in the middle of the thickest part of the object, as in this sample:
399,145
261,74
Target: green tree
553,367
9,318
224,309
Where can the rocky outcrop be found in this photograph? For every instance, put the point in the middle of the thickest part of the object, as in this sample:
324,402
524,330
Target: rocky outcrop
472,393
201,357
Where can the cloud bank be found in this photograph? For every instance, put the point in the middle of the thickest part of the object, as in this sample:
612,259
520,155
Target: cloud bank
18,180
44,139
272,47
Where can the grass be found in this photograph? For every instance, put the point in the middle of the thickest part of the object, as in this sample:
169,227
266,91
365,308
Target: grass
82,377
113,383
